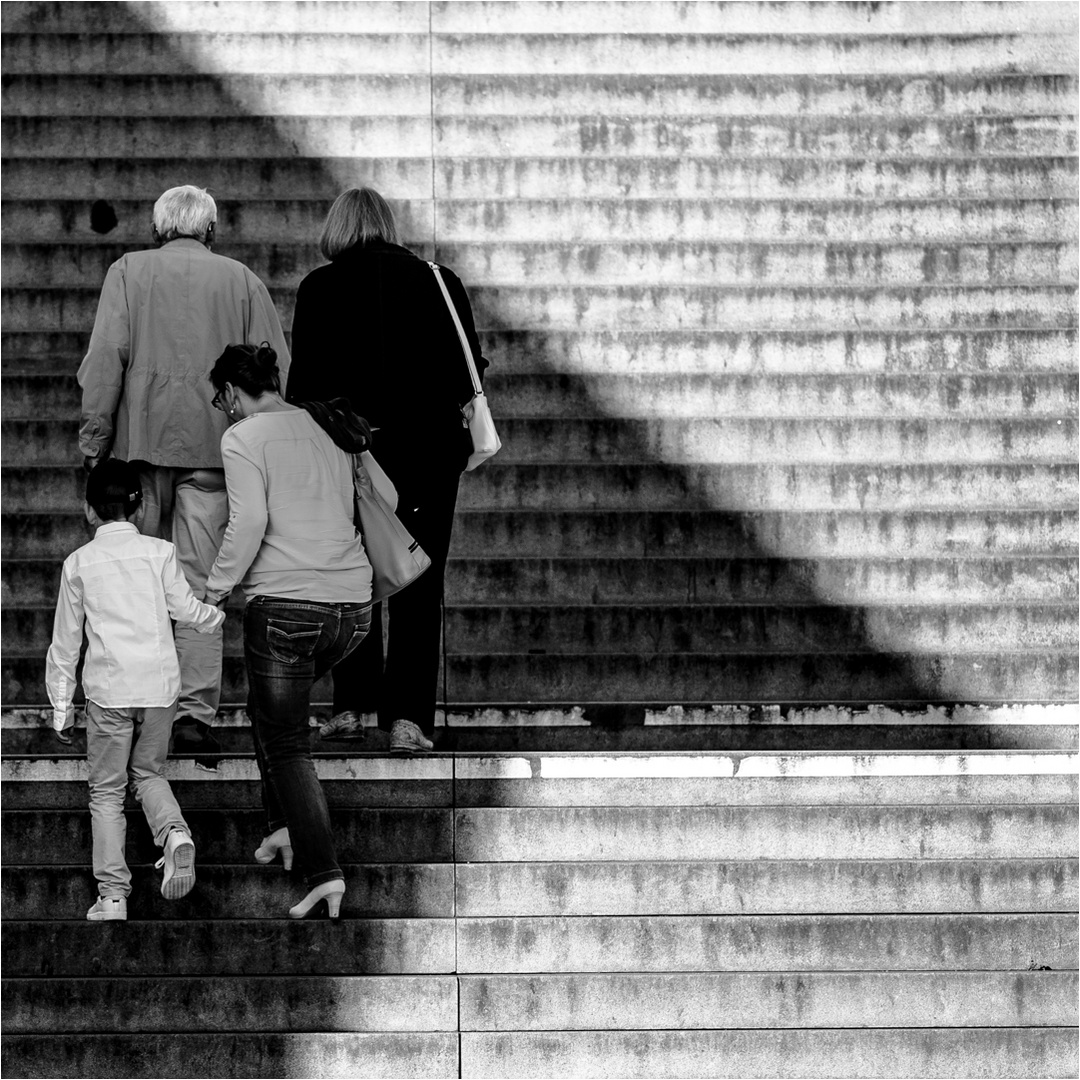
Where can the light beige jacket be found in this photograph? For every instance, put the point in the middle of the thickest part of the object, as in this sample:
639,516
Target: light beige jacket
164,317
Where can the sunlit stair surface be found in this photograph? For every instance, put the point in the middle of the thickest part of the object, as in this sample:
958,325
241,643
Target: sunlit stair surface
580,914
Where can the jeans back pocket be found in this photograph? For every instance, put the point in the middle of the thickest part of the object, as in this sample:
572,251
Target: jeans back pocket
292,642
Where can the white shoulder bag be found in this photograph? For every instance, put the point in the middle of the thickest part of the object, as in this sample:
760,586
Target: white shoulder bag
476,415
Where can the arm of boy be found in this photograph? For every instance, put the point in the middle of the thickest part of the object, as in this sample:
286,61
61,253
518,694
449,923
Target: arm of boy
183,606
63,655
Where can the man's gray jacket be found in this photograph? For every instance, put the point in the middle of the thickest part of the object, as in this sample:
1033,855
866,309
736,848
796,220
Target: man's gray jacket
165,315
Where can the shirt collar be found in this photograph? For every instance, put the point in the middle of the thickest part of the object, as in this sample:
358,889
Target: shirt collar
115,526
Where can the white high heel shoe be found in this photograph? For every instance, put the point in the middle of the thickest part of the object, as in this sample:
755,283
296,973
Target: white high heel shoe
277,841
330,891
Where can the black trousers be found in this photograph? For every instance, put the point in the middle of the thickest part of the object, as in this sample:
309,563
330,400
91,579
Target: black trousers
403,685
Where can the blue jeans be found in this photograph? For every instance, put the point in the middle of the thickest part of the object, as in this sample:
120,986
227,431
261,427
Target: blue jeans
288,644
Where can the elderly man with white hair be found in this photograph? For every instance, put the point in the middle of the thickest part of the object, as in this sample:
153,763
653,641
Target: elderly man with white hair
165,315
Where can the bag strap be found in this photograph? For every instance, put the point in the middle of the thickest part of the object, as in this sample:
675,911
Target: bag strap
465,347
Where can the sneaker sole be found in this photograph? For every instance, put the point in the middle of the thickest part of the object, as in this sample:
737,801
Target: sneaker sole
182,879
106,918
409,749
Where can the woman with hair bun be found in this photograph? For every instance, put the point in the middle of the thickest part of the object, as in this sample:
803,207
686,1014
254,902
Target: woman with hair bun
292,545
373,326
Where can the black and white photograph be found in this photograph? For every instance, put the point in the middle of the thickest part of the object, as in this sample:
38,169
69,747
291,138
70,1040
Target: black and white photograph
540,539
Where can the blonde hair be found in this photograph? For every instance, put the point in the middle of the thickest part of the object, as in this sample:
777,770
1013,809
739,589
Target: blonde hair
358,216
184,211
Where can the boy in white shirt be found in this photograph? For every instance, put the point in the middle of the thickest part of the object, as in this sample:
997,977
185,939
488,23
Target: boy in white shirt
125,587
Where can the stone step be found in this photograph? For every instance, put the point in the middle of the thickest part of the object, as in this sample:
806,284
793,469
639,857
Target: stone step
739,489
586,18
747,1000
700,888
766,943
675,307
280,220
1019,1052
277,1004
600,629
609,888
624,95
411,51
394,834
375,891
534,178
486,583
82,265
779,352
545,1002
140,50
538,834
709,534
383,1054
907,402
719,834
200,948
352,17
618,726
39,774
727,441
413,132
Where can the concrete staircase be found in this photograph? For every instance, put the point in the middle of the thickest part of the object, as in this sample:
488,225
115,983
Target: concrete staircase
641,915
759,740
781,308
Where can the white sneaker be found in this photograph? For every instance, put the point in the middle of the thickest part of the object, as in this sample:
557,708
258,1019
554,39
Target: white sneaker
179,863
407,738
108,909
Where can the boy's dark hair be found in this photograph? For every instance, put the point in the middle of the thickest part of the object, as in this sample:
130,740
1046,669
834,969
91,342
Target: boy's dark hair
113,490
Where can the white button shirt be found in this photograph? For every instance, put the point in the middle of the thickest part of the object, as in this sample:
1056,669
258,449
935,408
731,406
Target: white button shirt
125,587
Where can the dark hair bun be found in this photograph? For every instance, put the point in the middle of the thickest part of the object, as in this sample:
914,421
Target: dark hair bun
265,358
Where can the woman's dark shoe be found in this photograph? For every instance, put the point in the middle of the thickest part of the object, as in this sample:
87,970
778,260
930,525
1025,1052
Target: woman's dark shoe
330,891
407,738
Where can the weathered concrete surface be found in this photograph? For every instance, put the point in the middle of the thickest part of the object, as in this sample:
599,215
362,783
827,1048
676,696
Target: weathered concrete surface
840,886
767,943
262,1054
1020,1052
199,948
781,304
402,1003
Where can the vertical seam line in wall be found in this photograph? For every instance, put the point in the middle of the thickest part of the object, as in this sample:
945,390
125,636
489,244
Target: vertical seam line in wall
454,898
431,106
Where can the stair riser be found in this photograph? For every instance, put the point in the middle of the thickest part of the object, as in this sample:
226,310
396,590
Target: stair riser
606,630
546,1002
261,1055
687,679
591,220
507,890
536,441
701,534
491,946
702,352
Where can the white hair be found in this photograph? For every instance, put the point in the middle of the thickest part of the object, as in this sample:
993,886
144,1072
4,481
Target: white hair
184,211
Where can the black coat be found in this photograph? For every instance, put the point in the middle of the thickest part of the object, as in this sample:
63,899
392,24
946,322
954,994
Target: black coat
373,326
